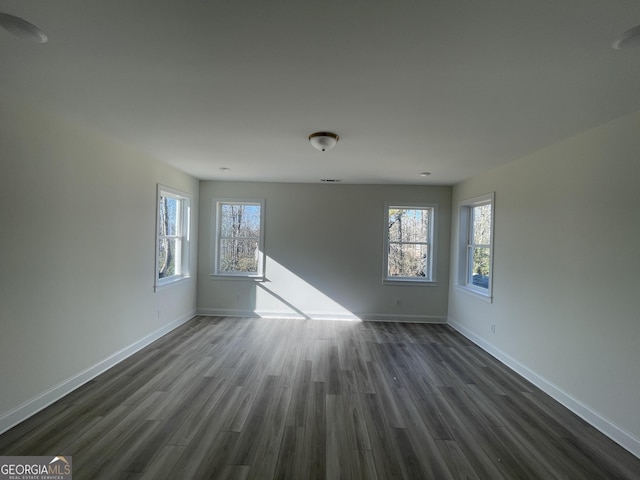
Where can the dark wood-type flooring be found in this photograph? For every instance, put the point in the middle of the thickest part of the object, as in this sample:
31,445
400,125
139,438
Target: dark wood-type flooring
300,399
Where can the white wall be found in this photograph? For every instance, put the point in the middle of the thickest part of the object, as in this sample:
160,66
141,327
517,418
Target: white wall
566,273
77,217
324,245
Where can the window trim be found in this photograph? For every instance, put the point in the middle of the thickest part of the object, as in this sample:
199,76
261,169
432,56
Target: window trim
429,280
215,240
185,236
465,245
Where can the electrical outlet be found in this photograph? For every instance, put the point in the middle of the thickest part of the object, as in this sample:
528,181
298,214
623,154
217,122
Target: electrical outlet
397,303
493,328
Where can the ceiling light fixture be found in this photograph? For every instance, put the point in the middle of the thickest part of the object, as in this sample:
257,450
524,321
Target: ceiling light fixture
22,29
323,141
629,39
425,174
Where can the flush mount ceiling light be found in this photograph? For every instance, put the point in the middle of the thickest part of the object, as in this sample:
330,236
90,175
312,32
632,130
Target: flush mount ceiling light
323,141
22,29
629,39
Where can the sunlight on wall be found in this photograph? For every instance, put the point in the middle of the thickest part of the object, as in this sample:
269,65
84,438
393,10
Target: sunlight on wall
284,294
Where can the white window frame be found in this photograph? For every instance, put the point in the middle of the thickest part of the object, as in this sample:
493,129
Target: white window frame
466,246
182,236
430,278
215,247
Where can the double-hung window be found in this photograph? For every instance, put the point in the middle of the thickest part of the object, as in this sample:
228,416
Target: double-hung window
238,238
173,235
476,245
409,245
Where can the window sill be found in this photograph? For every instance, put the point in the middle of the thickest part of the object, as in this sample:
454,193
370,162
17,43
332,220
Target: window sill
244,278
485,297
406,282
170,282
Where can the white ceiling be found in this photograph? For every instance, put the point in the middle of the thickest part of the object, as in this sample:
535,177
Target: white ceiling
448,86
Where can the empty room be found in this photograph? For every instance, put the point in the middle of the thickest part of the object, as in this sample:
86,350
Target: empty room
300,239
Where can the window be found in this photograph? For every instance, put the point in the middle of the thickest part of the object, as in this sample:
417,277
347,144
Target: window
173,226
476,245
238,238
409,251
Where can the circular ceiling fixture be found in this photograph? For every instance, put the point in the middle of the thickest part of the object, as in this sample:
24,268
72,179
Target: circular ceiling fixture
323,141
629,39
22,29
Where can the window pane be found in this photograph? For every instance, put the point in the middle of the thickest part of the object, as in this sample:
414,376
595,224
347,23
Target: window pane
481,267
172,236
408,260
238,255
476,244
482,225
239,220
169,215
167,257
408,225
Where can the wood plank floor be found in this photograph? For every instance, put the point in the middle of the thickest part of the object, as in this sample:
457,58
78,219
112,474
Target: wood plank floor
231,398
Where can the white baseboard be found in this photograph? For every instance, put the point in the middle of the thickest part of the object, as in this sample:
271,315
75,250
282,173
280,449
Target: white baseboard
43,400
611,430
366,317
385,317
222,312
226,312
